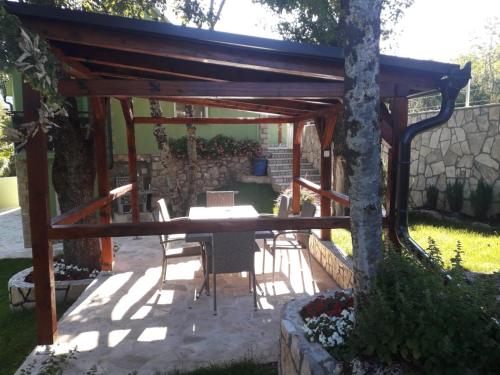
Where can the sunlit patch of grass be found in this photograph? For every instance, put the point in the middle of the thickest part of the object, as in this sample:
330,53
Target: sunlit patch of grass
481,247
342,239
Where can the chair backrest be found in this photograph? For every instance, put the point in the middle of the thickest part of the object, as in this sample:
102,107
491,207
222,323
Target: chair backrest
283,207
307,210
220,198
233,252
163,210
162,216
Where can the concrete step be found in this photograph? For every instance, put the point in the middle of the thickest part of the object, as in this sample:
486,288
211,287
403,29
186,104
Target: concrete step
285,161
282,179
311,172
288,167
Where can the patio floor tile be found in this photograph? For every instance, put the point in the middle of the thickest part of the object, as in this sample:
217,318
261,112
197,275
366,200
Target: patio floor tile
121,323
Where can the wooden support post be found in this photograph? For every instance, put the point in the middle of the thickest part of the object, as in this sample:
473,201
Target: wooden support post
128,114
101,158
297,139
325,127
38,187
399,114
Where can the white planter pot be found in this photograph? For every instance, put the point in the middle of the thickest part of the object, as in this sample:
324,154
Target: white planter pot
22,293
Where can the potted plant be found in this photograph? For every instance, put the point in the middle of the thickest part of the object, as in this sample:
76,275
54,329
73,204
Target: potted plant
259,163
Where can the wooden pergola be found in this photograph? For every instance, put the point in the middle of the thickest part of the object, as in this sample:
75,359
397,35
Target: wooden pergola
107,56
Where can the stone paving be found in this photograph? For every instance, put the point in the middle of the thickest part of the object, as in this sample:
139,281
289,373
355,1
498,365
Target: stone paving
11,234
122,324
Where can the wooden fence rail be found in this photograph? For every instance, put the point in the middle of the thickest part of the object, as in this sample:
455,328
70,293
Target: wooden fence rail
186,225
84,210
333,195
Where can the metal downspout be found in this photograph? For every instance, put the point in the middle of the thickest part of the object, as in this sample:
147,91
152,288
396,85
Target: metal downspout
449,88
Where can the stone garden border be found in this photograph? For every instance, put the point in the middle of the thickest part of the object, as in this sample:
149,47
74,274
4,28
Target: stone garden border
298,356
333,260
22,293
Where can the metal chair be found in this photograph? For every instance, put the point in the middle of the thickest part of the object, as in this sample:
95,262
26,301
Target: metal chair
270,234
174,245
307,210
220,198
230,253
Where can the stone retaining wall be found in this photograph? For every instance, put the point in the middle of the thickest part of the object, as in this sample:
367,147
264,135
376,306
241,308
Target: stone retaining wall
297,355
467,147
337,264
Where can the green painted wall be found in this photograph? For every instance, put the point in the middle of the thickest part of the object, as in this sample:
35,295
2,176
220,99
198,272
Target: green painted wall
145,141
8,195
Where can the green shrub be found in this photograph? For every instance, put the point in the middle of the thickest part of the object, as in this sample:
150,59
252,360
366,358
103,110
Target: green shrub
481,199
411,315
306,195
216,147
455,195
7,167
432,194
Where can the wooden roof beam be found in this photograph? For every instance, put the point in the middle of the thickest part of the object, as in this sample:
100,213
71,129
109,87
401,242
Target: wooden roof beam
219,54
210,90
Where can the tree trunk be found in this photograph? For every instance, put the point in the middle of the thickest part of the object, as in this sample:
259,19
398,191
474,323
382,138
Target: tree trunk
340,180
362,105
192,158
73,175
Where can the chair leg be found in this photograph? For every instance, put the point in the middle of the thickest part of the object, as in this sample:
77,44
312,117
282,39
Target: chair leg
215,283
163,273
254,289
264,257
273,253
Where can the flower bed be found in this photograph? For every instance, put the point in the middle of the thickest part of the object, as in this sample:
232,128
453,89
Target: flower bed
64,272
67,286
298,355
328,320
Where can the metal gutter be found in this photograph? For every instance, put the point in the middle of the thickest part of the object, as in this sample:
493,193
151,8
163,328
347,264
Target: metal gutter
449,87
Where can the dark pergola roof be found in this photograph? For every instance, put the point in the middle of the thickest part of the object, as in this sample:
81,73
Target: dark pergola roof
102,46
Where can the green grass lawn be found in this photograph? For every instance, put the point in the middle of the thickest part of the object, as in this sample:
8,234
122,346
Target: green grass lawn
481,246
17,329
261,196
246,367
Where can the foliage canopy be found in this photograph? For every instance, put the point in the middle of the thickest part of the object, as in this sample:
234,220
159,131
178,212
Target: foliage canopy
320,21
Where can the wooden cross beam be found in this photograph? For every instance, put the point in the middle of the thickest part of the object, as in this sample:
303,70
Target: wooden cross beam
213,120
194,89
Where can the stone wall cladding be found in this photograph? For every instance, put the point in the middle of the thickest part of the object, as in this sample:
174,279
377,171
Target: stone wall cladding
467,147
337,264
208,175
311,148
297,355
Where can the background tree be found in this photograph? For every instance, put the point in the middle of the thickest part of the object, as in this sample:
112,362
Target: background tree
320,21
485,82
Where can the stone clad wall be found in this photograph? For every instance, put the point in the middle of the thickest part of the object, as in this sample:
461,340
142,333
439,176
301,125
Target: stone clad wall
466,147
311,148
208,174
